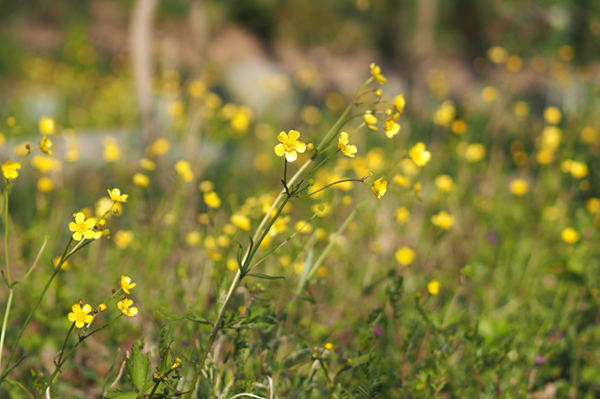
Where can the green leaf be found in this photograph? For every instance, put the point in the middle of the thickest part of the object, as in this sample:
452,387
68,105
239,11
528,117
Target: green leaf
264,276
120,395
18,384
137,366
174,316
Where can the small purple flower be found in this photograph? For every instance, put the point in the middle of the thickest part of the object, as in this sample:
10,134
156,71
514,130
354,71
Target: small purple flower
540,361
492,238
377,331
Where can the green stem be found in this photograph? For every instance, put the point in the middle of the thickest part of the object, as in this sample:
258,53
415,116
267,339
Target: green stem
8,279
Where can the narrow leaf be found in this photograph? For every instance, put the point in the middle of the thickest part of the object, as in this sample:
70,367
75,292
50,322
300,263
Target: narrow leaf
265,277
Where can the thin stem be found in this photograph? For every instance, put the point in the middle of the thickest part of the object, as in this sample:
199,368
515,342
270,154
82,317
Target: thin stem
37,258
62,351
333,184
450,307
10,288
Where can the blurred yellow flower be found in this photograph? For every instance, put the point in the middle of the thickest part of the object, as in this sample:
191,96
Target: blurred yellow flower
520,109
519,187
444,114
376,73
64,266
147,164
116,195
443,220
475,152
206,186
82,227
47,125
45,184
588,135
402,215
345,147
497,54
329,346
390,126
240,221
192,238
123,238
550,213
370,120
289,145
124,307
458,127
126,284
489,94
232,265
544,157
105,204
112,152
405,255
196,88
184,170
212,200
444,183
433,287
552,115
593,205
9,168
400,103
379,187
303,227
159,147
298,267
419,154
579,170
569,235
141,180
80,315
45,145
514,64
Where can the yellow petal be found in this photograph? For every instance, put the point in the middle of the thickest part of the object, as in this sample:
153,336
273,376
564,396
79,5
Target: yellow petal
88,234
294,135
79,217
76,308
87,308
72,317
291,156
279,150
72,226
91,222
282,137
300,146
79,324
88,319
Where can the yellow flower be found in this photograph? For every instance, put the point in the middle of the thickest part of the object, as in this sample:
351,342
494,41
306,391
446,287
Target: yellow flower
569,235
379,187
458,127
390,126
80,315
443,220
112,152
475,152
370,120
192,238
45,145
102,307
212,200
593,205
241,221
419,154
289,145
588,135
552,115
82,227
519,187
405,255
444,114
329,346
123,238
376,73
433,287
489,93
141,180
45,184
47,125
579,170
159,147
184,169
417,187
124,307
64,266
444,183
147,164
10,169
116,195
126,284
402,215
345,147
399,103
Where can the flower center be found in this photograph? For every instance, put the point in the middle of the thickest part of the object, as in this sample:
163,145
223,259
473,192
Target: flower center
289,145
81,228
80,316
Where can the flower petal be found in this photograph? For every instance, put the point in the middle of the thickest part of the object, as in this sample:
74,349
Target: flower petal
279,150
86,308
79,324
294,135
72,317
300,146
72,226
88,319
76,308
291,156
91,222
77,236
282,137
89,234
79,217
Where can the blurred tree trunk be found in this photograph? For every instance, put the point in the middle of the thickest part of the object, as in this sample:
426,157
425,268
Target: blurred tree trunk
140,45
423,51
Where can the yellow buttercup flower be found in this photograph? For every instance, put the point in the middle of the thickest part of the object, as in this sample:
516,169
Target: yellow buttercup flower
569,235
419,154
376,73
212,200
444,183
141,180
458,127
102,307
579,170
402,215
126,284
444,114
390,126
82,227
329,346
10,169
433,287
80,315
519,187
370,121
124,307
116,195
400,103
123,238
240,221
345,147
443,220
289,145
552,115
475,152
45,184
47,125
405,256
593,205
184,169
45,145
379,187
